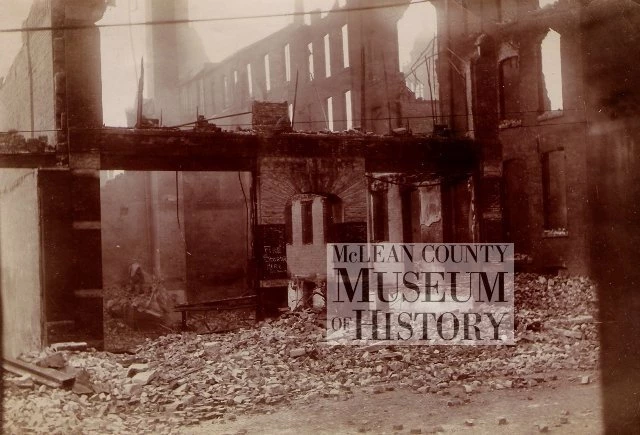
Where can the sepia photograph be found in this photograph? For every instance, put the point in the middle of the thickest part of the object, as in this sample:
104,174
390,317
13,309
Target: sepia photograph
319,216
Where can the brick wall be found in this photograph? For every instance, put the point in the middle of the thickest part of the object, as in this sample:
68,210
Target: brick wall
538,134
516,149
283,179
267,117
27,100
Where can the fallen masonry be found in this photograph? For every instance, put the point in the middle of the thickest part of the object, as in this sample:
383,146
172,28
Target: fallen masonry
183,379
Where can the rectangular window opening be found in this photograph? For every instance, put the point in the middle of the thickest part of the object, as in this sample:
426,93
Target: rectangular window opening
288,224
327,56
509,88
550,77
345,46
330,113
225,94
267,72
348,110
307,222
287,62
311,69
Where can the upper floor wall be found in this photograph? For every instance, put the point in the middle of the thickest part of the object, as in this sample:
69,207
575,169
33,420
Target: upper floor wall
27,95
323,66
534,53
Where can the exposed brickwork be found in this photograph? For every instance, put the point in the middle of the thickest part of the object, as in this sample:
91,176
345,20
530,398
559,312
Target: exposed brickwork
270,117
284,181
41,92
281,178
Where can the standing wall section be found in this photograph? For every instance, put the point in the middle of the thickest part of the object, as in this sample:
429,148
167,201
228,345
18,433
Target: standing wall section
20,278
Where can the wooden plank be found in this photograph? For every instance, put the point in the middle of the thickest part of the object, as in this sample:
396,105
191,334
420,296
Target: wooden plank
50,377
215,302
201,308
28,160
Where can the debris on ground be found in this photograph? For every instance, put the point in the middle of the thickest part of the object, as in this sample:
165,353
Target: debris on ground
186,378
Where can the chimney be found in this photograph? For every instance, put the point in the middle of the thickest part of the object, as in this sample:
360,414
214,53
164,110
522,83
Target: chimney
163,45
298,9
315,15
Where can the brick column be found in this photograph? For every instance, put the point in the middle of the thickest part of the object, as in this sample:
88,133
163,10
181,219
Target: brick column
83,109
486,119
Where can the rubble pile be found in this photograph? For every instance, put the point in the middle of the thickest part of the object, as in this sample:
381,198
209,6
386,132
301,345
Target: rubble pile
557,296
121,300
564,306
222,321
180,379
132,316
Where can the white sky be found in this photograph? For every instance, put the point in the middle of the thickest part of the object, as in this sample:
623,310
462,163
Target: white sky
418,18
122,47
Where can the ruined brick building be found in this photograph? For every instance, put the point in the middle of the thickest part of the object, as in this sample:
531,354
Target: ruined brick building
503,143
302,189
498,88
565,171
528,120
337,72
330,87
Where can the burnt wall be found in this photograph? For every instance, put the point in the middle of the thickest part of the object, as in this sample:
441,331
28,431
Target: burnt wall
57,242
534,135
217,233
280,178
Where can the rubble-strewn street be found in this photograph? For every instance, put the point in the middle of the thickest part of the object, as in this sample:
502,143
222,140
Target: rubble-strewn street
185,379
561,406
